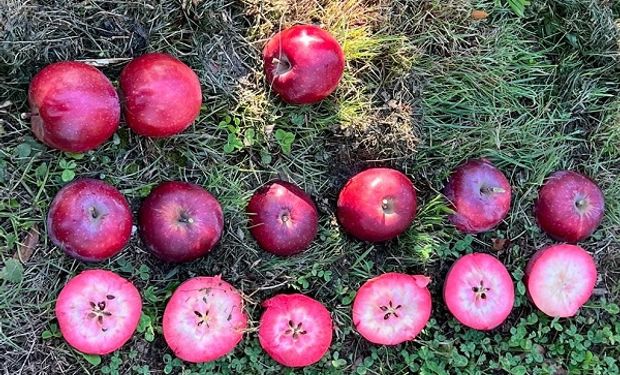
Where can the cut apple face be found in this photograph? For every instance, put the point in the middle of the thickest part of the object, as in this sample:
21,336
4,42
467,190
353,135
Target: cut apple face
98,311
392,308
560,279
295,330
204,319
479,291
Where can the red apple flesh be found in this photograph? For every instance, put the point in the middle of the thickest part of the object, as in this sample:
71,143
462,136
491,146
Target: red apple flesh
480,196
569,207
283,218
161,95
180,221
377,204
303,64
74,107
90,220
560,279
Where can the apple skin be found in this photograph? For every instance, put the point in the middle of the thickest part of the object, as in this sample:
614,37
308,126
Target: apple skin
303,64
570,206
72,224
180,221
283,218
74,107
480,196
377,204
161,95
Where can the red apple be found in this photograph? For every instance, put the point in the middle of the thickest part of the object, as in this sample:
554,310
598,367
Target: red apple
180,222
295,330
283,218
74,107
303,64
377,204
560,279
392,308
204,319
480,195
161,95
90,220
479,291
569,207
98,311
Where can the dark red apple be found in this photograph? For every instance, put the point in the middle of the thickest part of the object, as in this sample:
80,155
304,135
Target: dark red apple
161,95
303,64
90,220
74,107
480,195
180,222
569,207
377,204
283,218
560,279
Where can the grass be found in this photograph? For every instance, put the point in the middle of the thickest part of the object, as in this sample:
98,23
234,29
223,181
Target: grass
426,87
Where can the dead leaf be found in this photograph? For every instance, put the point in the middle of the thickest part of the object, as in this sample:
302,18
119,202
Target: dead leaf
500,244
27,246
478,15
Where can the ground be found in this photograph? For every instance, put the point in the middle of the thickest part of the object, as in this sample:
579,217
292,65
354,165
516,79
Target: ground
428,84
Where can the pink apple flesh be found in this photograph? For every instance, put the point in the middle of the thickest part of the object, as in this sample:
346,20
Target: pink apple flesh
479,291
560,279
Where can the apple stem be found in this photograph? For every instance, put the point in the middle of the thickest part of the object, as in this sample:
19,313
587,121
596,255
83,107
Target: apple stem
384,204
491,190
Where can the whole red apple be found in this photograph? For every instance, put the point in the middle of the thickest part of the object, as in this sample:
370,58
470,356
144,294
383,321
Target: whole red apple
480,195
180,222
303,64
283,218
74,107
161,95
569,207
377,204
90,220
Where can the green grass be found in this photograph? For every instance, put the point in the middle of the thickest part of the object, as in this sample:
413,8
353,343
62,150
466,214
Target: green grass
426,87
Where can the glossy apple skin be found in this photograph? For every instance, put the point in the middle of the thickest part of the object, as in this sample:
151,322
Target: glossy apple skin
480,196
180,221
311,64
377,204
570,206
283,218
90,220
161,95
74,107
